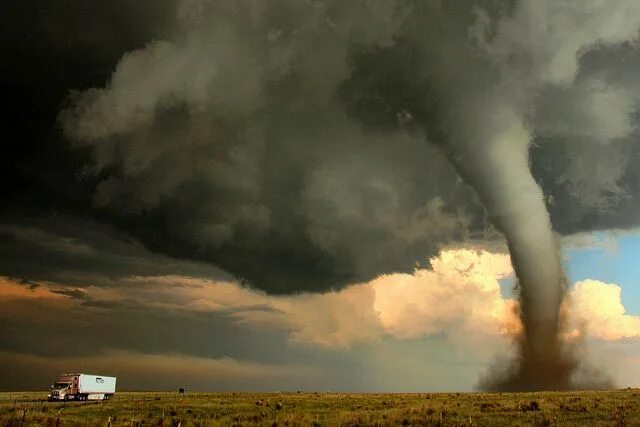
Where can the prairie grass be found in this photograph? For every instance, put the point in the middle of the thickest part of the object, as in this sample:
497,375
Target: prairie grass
598,408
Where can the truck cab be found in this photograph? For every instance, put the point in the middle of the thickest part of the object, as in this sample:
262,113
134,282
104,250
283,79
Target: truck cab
65,388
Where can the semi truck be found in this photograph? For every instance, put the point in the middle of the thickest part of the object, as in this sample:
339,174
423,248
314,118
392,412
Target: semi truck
82,387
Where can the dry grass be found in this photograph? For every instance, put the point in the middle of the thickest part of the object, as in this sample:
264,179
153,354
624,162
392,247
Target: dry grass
605,408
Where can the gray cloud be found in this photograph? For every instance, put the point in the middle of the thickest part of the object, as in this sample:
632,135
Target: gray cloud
234,143
241,135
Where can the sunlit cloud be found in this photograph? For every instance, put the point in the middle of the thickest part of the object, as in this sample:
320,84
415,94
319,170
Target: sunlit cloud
459,297
597,306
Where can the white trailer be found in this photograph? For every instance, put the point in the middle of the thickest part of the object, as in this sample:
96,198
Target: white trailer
83,387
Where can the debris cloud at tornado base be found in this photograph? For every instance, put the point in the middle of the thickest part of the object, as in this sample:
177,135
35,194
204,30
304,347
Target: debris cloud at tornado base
470,78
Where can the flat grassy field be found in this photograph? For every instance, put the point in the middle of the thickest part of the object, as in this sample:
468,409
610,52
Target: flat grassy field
605,408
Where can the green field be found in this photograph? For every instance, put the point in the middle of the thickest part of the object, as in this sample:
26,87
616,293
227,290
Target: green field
606,408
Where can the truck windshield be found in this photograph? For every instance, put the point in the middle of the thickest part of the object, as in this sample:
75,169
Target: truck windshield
60,385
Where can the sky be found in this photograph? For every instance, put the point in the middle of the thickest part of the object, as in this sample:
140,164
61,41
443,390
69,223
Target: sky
615,261
316,195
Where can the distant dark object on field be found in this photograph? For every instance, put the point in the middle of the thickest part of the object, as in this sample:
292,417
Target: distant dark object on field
181,391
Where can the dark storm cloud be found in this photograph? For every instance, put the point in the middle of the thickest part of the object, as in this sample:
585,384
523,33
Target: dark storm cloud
82,253
49,49
259,137
238,147
587,154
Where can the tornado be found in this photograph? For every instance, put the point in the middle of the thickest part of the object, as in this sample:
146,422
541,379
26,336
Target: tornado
480,124
495,162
